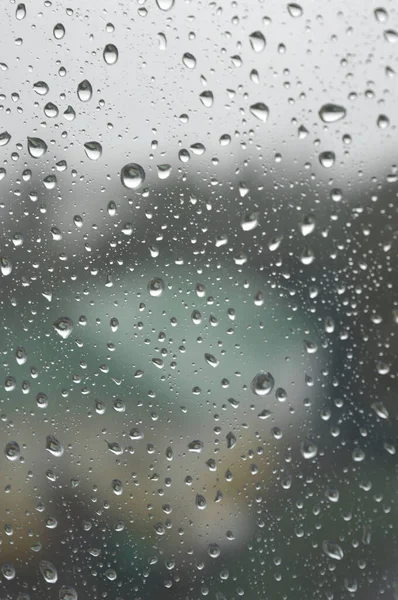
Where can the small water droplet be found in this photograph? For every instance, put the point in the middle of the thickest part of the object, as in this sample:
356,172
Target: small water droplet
231,440
213,550
84,90
391,36
200,502
117,487
63,326
132,176
380,410
93,150
260,111
383,122
195,446
262,384
110,54
36,147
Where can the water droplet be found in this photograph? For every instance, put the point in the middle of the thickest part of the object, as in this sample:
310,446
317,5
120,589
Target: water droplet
332,550
8,571
117,487
132,176
260,111
69,113
115,448
383,122
84,90
391,36
165,4
41,88
42,400
231,440
195,446
36,147
207,98
20,12
4,138
189,60
257,41
63,326
59,31
381,15
93,150
156,287
67,592
110,54
12,451
162,40
295,10
50,110
307,225
332,494
380,410
48,571
111,574
327,159
330,113
54,446
308,449
250,221
213,550
262,384
5,266
211,360
164,171
200,502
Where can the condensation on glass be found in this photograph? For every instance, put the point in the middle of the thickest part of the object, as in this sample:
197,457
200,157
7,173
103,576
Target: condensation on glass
199,312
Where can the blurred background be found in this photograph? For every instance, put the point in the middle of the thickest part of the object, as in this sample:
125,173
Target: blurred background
198,300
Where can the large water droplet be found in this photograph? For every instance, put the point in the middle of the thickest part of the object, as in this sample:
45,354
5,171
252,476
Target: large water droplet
308,449
211,360
59,31
36,147
63,326
165,4
213,550
5,266
195,446
156,287
207,98
12,451
330,113
50,110
132,176
4,138
189,60
48,571
93,150
54,446
110,54
262,384
20,12
332,550
84,90
260,111
41,88
257,41
327,159
295,10
67,592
